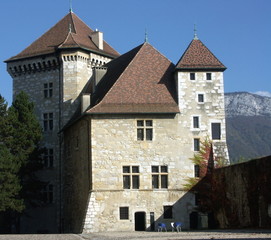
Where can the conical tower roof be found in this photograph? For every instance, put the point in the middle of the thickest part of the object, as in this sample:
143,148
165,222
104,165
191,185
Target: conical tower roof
198,57
69,32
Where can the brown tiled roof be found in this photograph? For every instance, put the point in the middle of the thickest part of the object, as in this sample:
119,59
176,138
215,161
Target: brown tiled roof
69,32
198,56
140,81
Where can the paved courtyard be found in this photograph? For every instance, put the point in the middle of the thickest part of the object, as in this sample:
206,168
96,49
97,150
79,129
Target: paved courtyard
187,235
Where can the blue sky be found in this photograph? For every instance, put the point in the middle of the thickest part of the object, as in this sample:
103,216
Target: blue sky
238,32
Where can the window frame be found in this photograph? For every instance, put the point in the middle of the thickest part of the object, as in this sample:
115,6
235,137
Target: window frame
196,122
196,144
131,177
159,176
124,213
201,98
209,76
48,158
144,130
48,90
216,135
48,121
192,76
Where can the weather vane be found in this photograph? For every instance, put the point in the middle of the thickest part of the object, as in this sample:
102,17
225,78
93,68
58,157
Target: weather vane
70,5
146,35
195,33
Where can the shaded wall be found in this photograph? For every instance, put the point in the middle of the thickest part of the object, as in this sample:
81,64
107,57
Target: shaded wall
244,194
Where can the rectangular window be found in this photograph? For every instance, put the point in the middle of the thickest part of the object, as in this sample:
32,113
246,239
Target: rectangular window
216,131
200,98
159,177
48,123
195,122
144,130
196,170
47,194
48,90
196,144
130,177
209,76
192,76
124,213
168,212
48,158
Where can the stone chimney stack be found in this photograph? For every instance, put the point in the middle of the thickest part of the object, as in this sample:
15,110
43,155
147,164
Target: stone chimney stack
97,38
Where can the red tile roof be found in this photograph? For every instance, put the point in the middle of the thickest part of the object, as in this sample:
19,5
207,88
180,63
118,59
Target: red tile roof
198,57
69,32
140,81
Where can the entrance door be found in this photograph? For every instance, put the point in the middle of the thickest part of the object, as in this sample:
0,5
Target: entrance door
140,221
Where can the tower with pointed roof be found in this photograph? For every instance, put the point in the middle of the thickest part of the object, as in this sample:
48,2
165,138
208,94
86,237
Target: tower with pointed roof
200,86
53,71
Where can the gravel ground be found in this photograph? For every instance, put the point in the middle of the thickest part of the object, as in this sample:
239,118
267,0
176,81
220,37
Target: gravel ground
187,235
234,234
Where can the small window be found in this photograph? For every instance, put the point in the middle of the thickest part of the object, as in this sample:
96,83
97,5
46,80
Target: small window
209,76
197,170
168,212
144,130
124,213
196,144
192,76
195,122
216,131
200,98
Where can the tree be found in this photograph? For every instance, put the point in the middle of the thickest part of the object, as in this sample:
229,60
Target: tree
20,157
10,186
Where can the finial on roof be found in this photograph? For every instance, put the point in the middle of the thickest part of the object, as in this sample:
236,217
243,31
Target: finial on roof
146,36
195,33
70,5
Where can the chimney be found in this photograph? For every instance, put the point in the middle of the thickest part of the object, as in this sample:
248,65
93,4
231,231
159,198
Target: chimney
97,38
98,73
85,102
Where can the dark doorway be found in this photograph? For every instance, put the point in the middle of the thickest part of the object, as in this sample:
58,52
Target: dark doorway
140,221
193,220
152,221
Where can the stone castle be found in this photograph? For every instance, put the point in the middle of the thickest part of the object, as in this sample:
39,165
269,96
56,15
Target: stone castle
119,130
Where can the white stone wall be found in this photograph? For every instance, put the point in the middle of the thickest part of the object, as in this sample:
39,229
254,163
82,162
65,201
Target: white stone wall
212,110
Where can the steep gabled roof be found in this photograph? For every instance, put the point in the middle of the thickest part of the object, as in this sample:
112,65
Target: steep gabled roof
198,57
140,81
69,32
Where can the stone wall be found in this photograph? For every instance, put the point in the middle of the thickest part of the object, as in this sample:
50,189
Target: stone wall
113,144
210,110
247,195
